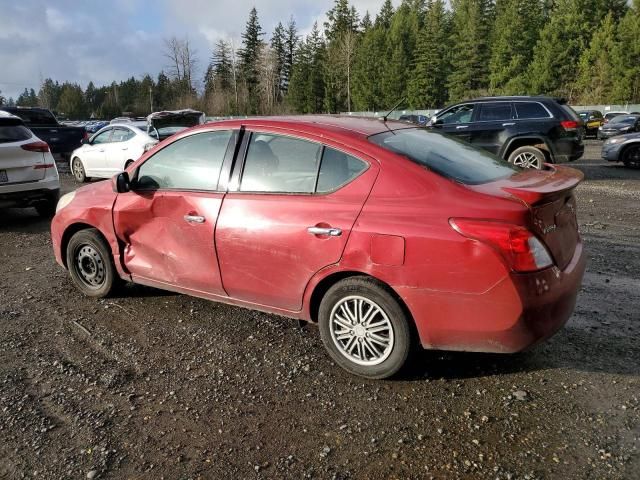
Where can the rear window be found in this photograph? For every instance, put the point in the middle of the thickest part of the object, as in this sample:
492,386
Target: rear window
531,110
623,119
571,113
37,117
14,133
445,155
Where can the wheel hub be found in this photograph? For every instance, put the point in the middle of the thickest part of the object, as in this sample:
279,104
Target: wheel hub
361,330
90,266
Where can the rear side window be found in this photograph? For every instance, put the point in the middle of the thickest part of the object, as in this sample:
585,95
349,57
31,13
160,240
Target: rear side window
448,156
191,163
121,135
495,112
14,133
337,169
531,110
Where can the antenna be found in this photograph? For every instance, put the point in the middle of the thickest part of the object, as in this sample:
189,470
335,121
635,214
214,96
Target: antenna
384,118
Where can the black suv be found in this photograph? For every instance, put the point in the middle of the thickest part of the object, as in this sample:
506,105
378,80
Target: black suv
526,131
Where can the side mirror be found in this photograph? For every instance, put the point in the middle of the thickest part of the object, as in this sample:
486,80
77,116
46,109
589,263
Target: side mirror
85,141
121,183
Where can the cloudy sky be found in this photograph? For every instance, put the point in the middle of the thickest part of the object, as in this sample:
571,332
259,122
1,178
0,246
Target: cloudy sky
79,40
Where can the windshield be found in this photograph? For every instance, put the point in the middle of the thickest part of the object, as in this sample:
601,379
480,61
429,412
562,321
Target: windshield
448,156
622,119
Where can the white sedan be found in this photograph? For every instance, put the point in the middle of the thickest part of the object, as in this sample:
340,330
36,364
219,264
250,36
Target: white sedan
109,151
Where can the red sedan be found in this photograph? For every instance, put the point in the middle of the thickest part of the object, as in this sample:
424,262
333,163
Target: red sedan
385,235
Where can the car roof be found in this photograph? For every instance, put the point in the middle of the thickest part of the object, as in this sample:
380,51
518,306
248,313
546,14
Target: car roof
533,98
5,114
340,124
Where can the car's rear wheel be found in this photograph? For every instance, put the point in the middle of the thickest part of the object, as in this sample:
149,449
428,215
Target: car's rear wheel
77,168
631,157
90,264
364,328
527,157
47,208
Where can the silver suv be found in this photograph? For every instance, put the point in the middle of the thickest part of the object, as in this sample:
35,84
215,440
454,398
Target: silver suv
28,173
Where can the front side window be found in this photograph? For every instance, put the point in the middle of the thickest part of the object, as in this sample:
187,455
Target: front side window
490,112
102,137
446,155
459,114
191,163
276,163
121,135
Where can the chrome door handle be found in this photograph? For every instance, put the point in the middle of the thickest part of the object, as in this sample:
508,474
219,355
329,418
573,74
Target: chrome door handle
510,124
460,127
101,150
194,219
125,148
332,232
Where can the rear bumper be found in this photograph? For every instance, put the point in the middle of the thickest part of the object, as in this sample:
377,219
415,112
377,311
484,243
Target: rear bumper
28,194
517,313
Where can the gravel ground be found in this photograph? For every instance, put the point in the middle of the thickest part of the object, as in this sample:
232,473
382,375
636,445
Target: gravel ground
158,385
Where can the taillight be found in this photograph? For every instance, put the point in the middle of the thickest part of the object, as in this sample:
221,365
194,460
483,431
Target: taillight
39,146
570,125
521,249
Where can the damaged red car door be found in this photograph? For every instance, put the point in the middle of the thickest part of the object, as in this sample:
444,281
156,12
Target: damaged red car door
167,221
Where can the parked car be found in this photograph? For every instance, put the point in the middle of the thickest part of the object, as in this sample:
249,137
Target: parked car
593,119
93,127
623,148
28,174
417,119
61,139
381,232
611,115
109,151
526,131
620,125
161,125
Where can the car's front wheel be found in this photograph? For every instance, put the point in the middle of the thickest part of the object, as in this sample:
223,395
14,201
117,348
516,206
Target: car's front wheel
77,168
631,157
90,264
364,328
527,157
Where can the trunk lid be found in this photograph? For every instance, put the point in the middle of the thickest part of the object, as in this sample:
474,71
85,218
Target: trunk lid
18,165
549,197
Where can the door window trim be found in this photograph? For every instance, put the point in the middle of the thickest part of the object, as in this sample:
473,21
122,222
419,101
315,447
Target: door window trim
238,167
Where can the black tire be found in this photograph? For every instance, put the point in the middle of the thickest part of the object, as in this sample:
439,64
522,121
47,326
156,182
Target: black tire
528,157
631,157
47,209
91,265
393,317
77,170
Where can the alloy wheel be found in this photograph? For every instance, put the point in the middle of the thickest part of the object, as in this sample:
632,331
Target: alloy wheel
527,160
78,169
361,330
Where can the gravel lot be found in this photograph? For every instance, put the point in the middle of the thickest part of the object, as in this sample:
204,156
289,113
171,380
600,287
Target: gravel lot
159,385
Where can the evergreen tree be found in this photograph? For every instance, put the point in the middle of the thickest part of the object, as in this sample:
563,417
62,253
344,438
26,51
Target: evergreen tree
249,54
27,98
427,84
626,57
514,36
279,48
291,44
368,67
72,103
307,88
2,99
400,47
595,79
386,14
470,56
366,22
556,55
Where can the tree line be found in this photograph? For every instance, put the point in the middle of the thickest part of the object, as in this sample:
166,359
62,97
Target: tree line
424,52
